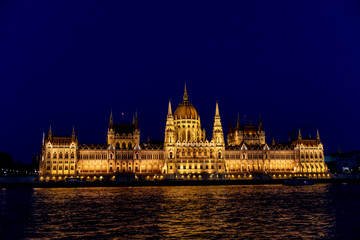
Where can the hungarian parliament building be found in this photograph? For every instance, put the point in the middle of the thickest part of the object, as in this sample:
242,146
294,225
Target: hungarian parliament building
185,153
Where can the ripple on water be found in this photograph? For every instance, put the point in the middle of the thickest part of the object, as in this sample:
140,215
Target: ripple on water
202,212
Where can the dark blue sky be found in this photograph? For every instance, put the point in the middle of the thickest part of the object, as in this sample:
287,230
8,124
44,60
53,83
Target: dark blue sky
68,63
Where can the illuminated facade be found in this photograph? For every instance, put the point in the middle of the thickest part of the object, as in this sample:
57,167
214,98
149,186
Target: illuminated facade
185,153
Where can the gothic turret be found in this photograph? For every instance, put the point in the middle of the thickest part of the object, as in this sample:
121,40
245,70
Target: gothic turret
111,123
317,135
169,128
73,135
50,135
218,136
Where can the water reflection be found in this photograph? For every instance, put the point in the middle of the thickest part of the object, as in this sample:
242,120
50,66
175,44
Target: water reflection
210,212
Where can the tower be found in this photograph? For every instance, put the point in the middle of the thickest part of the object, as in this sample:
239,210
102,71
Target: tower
73,135
218,135
111,131
169,128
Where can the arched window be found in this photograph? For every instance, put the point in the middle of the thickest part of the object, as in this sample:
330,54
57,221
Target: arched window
130,145
117,145
244,156
72,155
219,155
123,145
60,156
66,155
49,155
171,155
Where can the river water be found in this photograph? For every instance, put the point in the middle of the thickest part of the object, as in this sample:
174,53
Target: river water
321,211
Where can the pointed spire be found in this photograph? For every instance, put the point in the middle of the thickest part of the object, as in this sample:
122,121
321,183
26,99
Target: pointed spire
136,120
317,134
273,142
185,97
133,122
217,109
260,123
50,134
238,122
299,137
73,134
169,108
250,122
111,124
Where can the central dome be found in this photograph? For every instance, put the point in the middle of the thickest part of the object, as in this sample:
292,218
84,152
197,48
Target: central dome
185,110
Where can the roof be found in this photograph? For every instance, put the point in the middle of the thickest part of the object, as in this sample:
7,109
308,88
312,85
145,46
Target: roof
61,140
150,146
246,129
185,110
124,128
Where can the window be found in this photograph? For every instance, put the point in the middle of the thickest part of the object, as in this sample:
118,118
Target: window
212,166
129,145
178,167
72,168
60,156
48,168
66,168
170,167
60,167
219,155
66,155
54,167
49,155
72,155
171,155
55,155
219,166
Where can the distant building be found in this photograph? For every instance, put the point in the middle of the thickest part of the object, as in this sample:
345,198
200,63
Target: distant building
347,162
185,153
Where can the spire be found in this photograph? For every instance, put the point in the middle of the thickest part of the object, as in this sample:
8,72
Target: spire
250,122
217,109
73,134
169,109
111,124
238,122
50,134
317,134
260,123
185,97
218,136
133,122
273,142
299,134
136,120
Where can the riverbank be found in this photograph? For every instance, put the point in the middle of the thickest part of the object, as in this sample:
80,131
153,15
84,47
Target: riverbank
159,183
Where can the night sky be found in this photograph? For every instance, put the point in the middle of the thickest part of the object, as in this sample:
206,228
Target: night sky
68,63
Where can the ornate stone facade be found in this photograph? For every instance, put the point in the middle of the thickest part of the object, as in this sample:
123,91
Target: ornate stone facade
185,153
